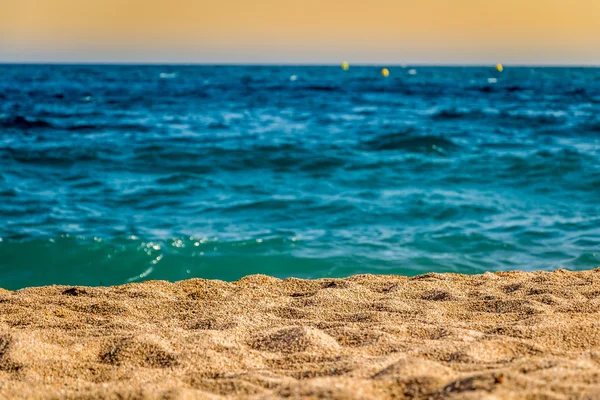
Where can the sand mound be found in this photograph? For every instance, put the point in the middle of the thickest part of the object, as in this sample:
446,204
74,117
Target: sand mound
295,340
139,351
497,336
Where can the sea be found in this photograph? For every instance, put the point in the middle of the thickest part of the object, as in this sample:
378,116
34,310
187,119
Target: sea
112,174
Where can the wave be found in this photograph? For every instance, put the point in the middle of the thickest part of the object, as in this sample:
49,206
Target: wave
486,89
321,88
452,114
92,128
412,143
577,92
23,123
96,261
589,127
540,118
54,156
515,88
545,170
192,157
586,129
500,88
218,125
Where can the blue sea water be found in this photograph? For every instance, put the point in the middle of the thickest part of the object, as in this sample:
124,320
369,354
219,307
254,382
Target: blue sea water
114,174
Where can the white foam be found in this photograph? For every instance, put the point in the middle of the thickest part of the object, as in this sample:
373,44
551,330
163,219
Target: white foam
165,75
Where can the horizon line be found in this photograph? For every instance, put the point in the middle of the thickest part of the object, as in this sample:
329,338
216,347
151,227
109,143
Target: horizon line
291,64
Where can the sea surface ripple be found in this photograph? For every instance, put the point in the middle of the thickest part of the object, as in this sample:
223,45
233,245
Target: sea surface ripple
113,174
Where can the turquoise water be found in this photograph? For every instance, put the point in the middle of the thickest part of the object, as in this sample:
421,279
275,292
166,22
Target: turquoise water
113,174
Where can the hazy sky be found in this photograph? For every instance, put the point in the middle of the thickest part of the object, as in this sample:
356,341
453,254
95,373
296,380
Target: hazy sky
302,31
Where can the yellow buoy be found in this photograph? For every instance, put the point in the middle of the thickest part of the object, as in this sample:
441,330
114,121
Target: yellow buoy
499,67
385,72
345,66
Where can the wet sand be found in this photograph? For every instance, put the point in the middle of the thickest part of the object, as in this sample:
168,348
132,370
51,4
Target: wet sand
510,335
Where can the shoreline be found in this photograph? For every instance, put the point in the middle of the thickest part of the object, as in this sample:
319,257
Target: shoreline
496,335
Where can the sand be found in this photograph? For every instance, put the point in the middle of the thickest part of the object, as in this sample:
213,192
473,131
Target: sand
510,335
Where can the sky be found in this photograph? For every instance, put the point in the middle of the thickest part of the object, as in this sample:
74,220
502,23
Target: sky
560,32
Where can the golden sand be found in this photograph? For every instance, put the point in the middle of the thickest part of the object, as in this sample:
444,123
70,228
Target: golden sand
511,335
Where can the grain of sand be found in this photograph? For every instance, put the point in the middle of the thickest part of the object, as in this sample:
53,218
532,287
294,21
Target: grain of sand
511,335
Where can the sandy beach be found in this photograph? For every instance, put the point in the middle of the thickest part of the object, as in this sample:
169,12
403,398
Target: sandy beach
491,336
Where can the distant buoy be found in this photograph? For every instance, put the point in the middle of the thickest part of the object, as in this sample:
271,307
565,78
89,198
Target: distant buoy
499,67
385,72
345,66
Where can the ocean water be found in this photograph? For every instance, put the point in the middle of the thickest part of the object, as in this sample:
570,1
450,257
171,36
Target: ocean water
114,174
